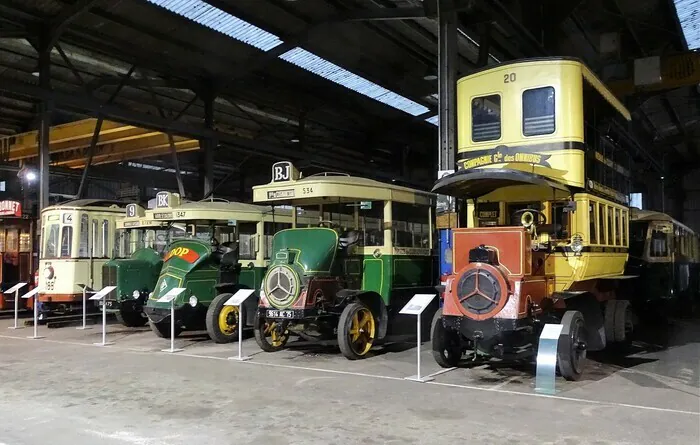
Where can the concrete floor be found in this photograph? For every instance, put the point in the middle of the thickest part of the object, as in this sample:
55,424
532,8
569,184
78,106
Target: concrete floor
63,390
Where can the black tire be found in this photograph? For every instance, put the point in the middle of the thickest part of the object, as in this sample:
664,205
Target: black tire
571,348
232,320
623,321
609,321
260,326
131,319
359,347
162,329
446,344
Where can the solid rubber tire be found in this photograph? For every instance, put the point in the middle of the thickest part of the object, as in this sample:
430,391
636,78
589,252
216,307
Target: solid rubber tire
260,338
344,329
438,336
162,330
564,362
212,320
131,319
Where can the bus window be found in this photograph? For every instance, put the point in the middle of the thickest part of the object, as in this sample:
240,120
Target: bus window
658,247
618,229
66,241
638,236
592,233
51,246
371,214
625,228
105,238
601,223
410,225
538,111
270,229
561,218
247,237
84,237
486,118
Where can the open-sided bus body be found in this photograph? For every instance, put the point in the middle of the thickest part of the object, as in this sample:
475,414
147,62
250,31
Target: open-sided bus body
544,229
665,255
345,276
139,249
77,240
223,250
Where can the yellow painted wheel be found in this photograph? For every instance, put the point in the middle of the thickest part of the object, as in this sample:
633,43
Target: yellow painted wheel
228,320
356,331
269,334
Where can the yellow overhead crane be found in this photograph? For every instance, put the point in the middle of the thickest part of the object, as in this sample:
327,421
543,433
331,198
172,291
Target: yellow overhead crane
69,143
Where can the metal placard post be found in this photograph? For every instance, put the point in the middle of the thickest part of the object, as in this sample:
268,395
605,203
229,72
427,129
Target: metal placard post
237,300
34,293
416,306
170,298
86,290
547,359
101,295
16,289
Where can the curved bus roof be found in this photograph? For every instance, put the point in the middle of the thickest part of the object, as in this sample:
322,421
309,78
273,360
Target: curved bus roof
651,215
94,204
212,210
327,188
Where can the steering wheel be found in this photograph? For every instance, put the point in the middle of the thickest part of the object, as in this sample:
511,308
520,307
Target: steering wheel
542,218
214,242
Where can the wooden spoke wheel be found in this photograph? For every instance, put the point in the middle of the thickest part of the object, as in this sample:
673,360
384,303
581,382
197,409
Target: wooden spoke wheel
447,347
223,321
571,349
270,335
357,330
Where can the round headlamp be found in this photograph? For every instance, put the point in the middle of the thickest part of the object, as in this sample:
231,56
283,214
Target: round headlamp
577,243
48,272
193,301
136,294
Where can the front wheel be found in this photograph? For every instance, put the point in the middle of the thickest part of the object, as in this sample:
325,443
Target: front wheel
222,321
270,335
571,349
356,331
131,319
447,347
162,329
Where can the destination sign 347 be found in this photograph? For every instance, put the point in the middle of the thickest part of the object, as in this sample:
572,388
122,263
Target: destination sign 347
10,208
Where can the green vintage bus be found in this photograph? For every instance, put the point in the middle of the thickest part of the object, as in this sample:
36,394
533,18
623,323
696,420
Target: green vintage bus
140,244
224,249
345,276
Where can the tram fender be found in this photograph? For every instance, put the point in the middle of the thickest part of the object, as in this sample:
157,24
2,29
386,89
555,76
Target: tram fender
374,302
590,308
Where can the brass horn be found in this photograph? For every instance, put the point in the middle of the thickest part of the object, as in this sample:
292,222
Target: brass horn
527,219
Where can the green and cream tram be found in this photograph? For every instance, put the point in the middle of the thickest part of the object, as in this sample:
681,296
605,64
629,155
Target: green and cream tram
223,248
139,249
345,276
77,239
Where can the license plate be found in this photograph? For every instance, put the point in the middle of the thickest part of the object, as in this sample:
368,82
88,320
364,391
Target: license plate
272,313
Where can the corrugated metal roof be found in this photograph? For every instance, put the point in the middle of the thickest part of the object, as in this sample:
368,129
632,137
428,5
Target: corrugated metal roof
328,70
236,28
689,16
221,21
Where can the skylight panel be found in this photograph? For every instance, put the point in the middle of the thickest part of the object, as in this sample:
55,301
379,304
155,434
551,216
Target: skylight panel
433,120
328,70
688,12
221,21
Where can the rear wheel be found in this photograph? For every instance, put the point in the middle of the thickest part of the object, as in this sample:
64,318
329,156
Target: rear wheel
222,321
131,319
447,347
571,349
269,334
162,329
356,331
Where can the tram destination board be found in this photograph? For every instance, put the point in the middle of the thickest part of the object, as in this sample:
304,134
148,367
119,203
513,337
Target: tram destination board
278,194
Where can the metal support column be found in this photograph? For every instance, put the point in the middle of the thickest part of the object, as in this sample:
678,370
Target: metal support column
44,121
447,75
208,145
